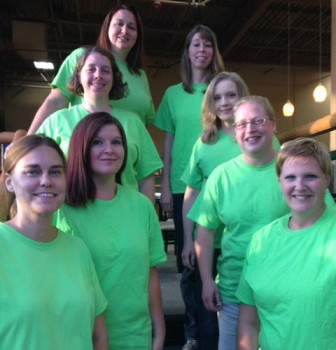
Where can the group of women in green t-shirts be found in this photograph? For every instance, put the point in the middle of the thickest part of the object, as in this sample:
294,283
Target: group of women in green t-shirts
58,293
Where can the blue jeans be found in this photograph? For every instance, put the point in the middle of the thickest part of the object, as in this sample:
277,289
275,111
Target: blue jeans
187,283
228,323
208,322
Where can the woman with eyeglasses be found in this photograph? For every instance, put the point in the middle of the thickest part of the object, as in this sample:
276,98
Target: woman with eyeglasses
287,288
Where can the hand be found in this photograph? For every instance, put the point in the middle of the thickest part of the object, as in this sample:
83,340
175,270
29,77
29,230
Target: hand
211,297
188,255
166,200
157,343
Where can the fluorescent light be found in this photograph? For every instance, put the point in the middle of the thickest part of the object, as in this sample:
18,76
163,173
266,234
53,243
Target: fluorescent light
44,65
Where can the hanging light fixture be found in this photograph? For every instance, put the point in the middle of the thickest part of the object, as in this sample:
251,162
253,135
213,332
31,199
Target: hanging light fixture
320,92
288,107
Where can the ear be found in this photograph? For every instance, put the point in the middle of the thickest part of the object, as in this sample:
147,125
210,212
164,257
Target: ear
9,183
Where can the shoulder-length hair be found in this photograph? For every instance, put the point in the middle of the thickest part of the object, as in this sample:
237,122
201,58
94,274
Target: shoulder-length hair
216,64
134,58
211,123
81,187
119,88
18,150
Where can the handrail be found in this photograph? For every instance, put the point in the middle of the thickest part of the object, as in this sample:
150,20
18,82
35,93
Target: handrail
315,128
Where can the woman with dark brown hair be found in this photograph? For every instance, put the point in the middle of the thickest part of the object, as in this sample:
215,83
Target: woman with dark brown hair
122,35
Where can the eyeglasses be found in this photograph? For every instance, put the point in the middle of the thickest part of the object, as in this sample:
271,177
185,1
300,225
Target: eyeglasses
254,121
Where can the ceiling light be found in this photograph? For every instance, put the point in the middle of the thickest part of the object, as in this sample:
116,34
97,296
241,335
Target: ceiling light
44,65
288,107
320,92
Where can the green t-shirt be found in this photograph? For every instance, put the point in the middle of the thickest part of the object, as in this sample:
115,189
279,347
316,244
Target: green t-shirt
244,198
125,241
290,276
49,293
138,101
143,159
180,114
204,159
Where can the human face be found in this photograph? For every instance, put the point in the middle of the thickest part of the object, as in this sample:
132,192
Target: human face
123,33
96,75
200,52
303,184
254,140
107,151
38,181
225,95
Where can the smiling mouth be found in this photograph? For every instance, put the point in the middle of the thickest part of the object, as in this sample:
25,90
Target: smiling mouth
301,197
45,195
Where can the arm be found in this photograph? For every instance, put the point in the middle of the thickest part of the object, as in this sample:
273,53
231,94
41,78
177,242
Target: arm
99,336
54,101
166,196
147,187
188,253
156,309
248,328
204,247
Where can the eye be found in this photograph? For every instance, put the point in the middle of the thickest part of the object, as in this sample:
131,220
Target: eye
132,27
97,142
289,177
56,172
311,176
216,97
208,44
259,121
106,71
232,94
116,142
32,172
240,125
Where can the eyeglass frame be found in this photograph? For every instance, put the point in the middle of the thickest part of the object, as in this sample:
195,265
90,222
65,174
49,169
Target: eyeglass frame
257,121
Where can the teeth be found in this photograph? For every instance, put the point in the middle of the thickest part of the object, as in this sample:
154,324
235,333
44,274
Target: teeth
45,195
301,197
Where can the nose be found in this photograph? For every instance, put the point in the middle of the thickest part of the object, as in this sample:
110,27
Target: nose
108,148
97,74
299,183
124,28
250,126
45,180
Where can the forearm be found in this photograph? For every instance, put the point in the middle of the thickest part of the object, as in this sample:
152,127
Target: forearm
99,337
54,101
189,199
156,310
204,247
147,187
248,328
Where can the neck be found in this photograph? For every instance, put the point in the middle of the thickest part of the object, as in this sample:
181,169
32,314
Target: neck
259,159
199,76
299,221
227,126
38,228
106,187
120,55
97,105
